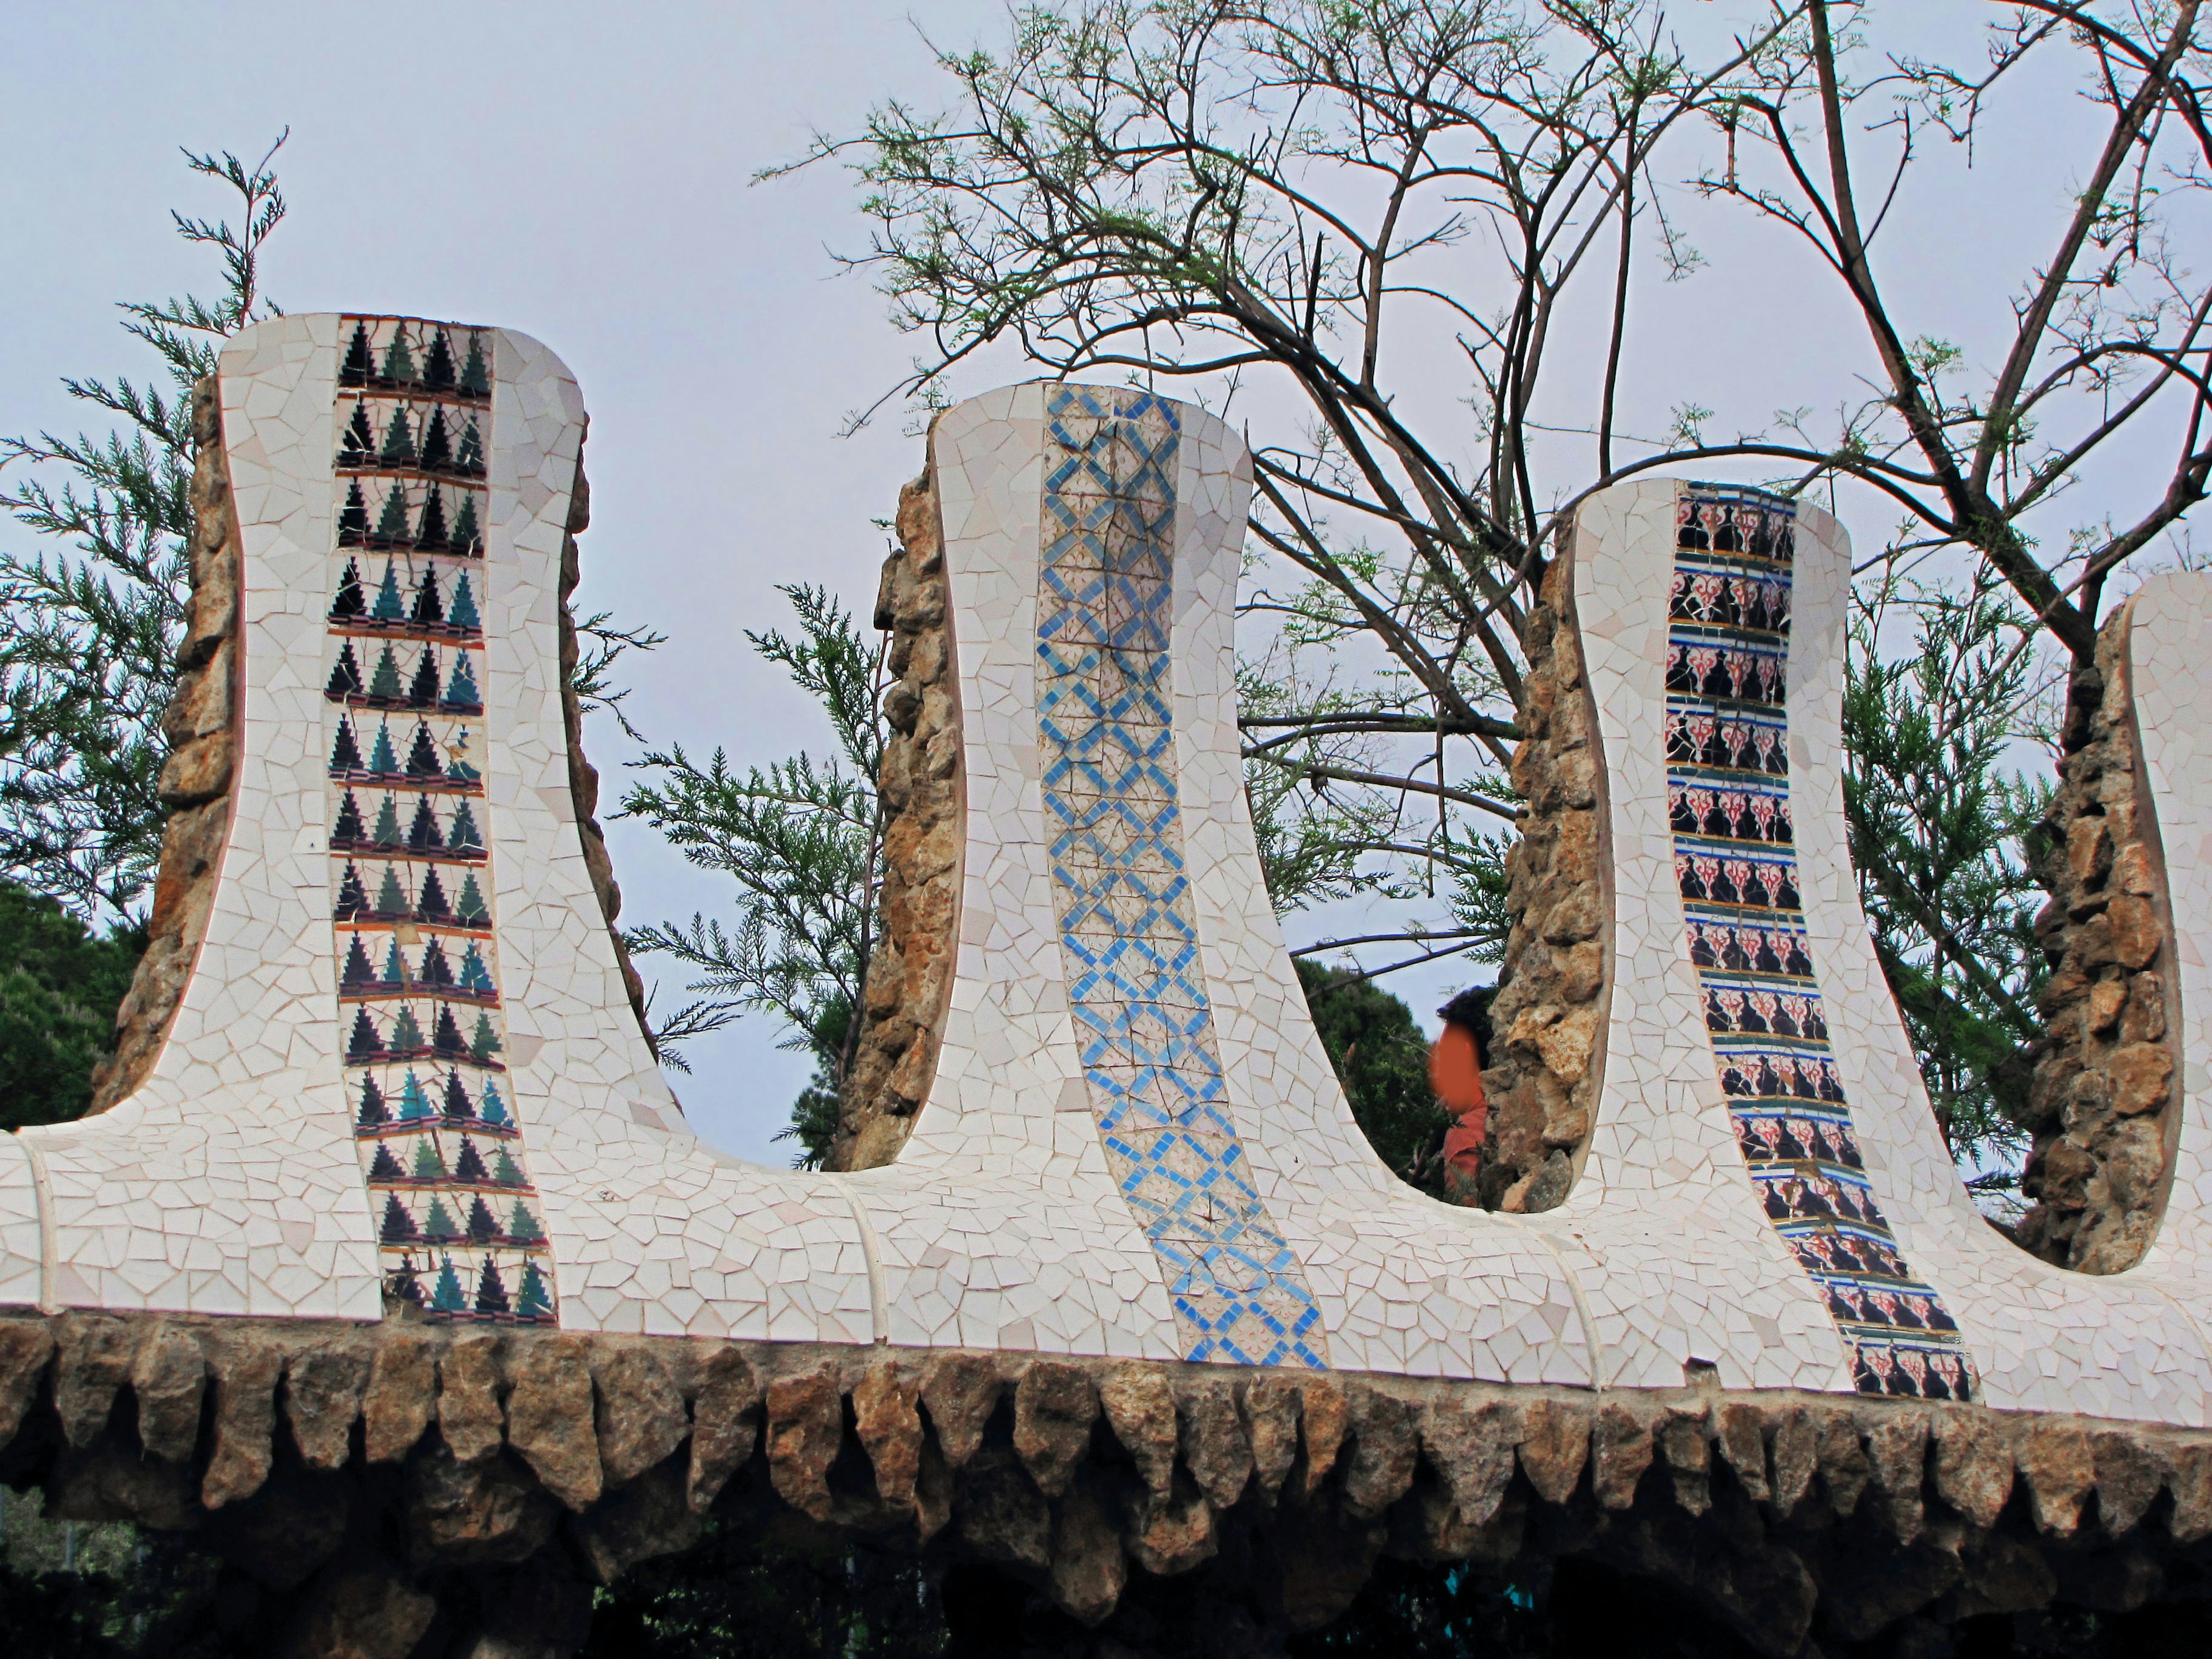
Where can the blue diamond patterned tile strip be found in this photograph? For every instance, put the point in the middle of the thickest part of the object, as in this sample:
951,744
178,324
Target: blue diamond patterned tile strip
1728,798
1143,1018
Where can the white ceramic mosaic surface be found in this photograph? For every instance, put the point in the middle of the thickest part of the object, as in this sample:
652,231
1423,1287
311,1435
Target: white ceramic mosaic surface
1023,1215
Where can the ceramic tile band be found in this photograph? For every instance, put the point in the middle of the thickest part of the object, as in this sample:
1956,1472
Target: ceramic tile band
1105,598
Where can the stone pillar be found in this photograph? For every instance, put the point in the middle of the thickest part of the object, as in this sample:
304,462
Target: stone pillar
2101,1104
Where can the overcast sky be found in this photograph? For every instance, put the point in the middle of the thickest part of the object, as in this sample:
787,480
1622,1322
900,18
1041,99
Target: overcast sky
580,172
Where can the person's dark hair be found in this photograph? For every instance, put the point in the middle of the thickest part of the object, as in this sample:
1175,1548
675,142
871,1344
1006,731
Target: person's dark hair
1471,1009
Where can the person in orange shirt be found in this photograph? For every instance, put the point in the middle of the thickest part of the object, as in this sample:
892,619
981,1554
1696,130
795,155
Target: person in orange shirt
1457,1062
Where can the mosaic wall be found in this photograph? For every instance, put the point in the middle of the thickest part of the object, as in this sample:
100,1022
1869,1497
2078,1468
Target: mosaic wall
1728,799
412,888
1135,985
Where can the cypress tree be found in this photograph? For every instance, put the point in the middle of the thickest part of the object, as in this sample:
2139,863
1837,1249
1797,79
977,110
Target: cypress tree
471,907
399,362
465,836
459,1107
353,517
399,438
423,692
504,1170
447,1297
373,1111
436,970
353,899
387,823
357,971
348,831
385,681
350,601
437,444
467,540
458,770
433,905
359,443
392,519
398,1226
491,1294
406,1034
390,900
388,605
463,612
428,606
423,754
475,975
530,1302
495,1108
487,1041
430,534
395,968
382,760
355,370
403,1286
482,1228
438,1226
422,834
385,1166
414,1103
446,1038
476,373
461,690
345,753
364,1044
345,678
468,459
428,1166
438,363
522,1227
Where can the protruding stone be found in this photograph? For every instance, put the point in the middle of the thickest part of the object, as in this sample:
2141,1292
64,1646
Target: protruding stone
1740,1431
1793,1459
26,1346
1178,1534
170,1377
1555,1446
1211,1438
469,1416
2129,1472
806,1425
549,1418
1472,1452
960,1391
1003,1516
474,1515
396,1409
1897,1458
1387,1442
2189,1478
1055,1406
725,1424
1973,1465
891,1429
1325,1416
1271,1422
1621,1451
2059,1465
322,1400
1689,1456
1844,1468
1088,1571
246,1364
1140,1409
646,1517
640,1413
364,1613
93,1364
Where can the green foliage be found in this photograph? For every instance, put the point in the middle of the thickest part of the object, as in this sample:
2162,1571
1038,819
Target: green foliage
797,837
734,1596
59,988
1381,1059
87,636
1935,730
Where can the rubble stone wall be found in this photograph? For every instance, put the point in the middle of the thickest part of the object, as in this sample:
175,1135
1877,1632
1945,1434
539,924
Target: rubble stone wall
1549,1014
201,724
2104,1100
361,1481
910,968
